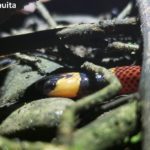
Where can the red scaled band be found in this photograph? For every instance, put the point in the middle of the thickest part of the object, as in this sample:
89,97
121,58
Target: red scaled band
129,77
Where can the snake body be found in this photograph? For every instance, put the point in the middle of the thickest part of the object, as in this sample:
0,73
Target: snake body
129,77
78,84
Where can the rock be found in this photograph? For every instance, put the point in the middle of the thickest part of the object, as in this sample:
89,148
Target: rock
35,120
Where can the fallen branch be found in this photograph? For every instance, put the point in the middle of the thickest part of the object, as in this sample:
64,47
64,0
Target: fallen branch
85,34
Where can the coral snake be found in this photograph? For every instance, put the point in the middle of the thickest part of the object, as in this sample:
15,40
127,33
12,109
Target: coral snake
77,84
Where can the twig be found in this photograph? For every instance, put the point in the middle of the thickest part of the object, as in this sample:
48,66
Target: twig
119,25
126,11
46,15
118,102
123,47
6,63
33,61
97,110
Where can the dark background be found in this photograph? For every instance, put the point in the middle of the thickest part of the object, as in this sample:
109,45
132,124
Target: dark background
94,7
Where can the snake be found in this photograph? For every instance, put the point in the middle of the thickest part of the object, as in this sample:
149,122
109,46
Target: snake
78,84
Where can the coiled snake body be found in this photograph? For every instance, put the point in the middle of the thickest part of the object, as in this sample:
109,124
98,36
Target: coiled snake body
77,84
